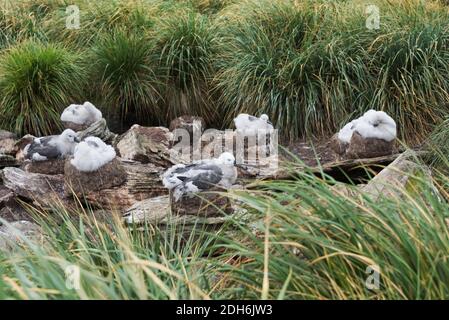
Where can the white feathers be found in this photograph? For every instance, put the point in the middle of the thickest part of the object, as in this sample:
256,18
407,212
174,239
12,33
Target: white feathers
373,124
83,114
345,133
51,147
203,175
250,125
91,154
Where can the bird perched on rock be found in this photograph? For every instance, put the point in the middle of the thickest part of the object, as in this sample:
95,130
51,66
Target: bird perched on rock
373,124
370,135
200,176
377,125
81,114
251,125
51,147
91,154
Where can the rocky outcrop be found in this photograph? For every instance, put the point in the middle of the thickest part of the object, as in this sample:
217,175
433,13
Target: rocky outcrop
394,179
142,182
41,188
8,143
146,145
7,160
17,232
98,129
187,127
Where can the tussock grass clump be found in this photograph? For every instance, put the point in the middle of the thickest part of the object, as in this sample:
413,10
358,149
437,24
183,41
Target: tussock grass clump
123,70
439,147
21,20
36,82
315,242
186,44
114,262
99,18
277,60
311,66
300,239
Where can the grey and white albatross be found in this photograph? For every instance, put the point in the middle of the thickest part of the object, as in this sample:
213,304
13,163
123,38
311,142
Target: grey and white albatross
51,147
204,175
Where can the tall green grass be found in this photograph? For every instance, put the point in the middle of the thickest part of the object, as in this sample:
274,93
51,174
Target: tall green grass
300,239
114,262
125,75
312,65
185,44
315,242
100,18
37,81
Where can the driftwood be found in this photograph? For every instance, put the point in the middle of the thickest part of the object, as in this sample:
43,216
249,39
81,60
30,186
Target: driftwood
55,166
44,189
146,145
142,182
98,129
79,183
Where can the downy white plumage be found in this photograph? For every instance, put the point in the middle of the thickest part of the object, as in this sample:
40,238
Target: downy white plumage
91,154
83,114
373,124
200,176
250,125
51,147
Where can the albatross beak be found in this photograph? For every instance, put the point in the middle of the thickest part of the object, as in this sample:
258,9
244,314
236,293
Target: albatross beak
77,139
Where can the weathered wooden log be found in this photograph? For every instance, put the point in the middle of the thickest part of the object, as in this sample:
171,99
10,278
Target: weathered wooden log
80,183
41,188
98,129
146,145
202,204
54,166
142,182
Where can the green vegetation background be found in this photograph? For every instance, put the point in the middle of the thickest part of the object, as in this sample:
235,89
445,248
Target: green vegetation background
311,65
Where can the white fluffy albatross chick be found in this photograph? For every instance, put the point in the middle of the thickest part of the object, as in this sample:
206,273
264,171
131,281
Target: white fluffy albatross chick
378,125
251,125
82,114
51,147
91,154
201,176
373,124
345,134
